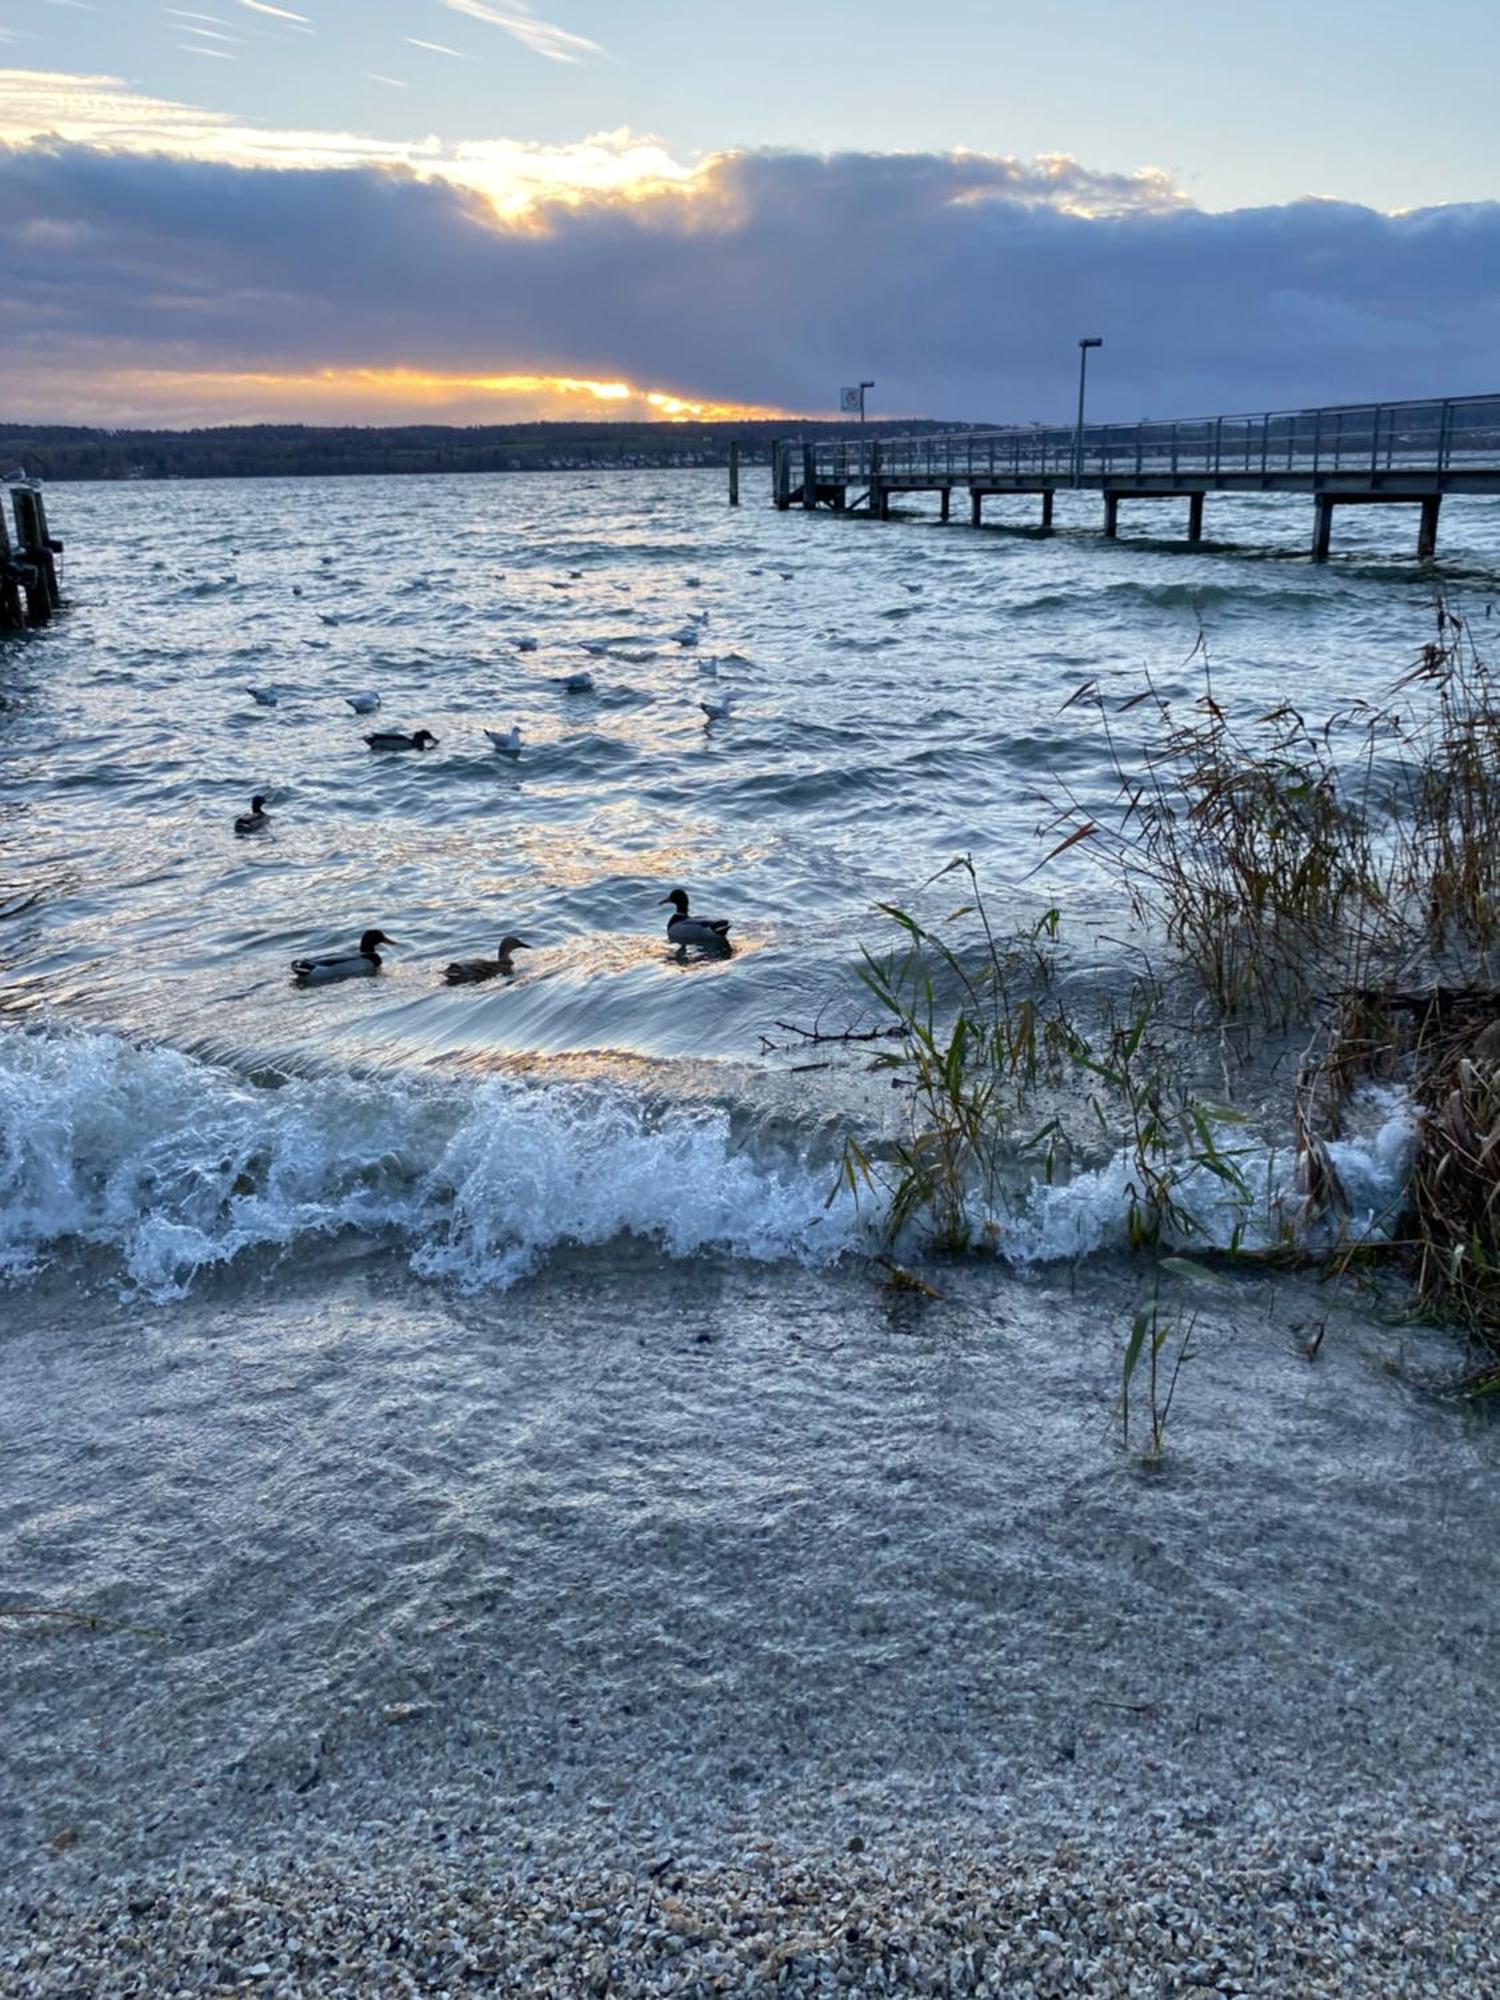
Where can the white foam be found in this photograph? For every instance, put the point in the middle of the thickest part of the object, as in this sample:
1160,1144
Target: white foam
177,1165
1091,1212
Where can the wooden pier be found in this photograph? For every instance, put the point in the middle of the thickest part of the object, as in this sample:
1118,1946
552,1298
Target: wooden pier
1366,454
28,567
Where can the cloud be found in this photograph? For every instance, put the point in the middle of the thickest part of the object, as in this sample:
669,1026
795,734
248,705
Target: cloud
436,48
959,282
278,13
516,18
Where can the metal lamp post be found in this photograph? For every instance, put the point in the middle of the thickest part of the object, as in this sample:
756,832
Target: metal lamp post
1083,363
862,388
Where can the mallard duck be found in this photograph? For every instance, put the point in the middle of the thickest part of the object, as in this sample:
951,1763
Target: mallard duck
392,739
361,964
468,971
507,742
363,704
263,697
256,820
708,933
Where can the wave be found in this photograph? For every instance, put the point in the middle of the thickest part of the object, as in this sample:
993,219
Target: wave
1091,1212
174,1166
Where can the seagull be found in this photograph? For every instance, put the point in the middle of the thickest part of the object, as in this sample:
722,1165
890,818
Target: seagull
693,582
596,648
296,590
394,739
508,743
718,711
361,964
469,971
573,573
687,635
363,704
916,589
526,645
708,933
267,697
332,617
256,820
709,664
580,683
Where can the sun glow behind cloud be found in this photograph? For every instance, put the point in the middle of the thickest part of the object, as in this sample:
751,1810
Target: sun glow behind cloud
138,396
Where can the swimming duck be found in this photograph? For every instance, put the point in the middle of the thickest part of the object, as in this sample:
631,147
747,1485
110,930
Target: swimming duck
526,645
507,742
361,964
708,933
468,971
579,683
687,635
266,697
720,710
392,739
256,820
363,704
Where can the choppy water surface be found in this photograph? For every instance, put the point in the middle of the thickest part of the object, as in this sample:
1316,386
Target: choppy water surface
459,1355
901,699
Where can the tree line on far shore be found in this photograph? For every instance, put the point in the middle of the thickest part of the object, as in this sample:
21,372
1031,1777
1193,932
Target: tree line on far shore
281,451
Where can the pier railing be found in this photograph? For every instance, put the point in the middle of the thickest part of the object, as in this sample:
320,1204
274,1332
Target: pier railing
1454,434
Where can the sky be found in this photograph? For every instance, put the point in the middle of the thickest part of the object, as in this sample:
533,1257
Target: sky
486,210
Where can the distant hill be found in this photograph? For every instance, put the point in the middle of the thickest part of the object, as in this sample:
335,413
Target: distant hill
279,451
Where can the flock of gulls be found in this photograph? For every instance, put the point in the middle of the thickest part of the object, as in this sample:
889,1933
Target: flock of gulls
708,936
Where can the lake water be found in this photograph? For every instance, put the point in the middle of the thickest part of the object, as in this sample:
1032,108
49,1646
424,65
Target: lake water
387,1336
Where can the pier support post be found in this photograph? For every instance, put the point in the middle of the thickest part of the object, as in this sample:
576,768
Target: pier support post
1322,527
1111,515
944,502
1195,517
12,611
1047,508
1427,528
734,472
781,486
39,579
976,507
809,479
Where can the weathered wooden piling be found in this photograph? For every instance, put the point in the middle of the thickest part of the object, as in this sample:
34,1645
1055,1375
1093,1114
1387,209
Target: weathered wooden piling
28,569
734,472
12,610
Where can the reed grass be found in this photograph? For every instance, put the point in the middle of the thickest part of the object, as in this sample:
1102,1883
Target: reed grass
1340,876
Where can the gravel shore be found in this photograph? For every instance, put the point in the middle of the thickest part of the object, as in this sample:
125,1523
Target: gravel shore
1360,1907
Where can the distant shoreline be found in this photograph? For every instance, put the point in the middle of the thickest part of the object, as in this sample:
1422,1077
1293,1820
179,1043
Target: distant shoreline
63,452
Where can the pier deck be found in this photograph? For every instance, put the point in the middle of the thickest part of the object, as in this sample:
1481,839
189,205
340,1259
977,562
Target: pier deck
1416,453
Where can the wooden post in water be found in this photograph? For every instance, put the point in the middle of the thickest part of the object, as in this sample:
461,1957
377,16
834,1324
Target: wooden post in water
1322,527
36,548
1047,508
31,548
1427,528
809,478
976,507
1111,515
734,472
947,498
12,611
1195,517
877,485
781,477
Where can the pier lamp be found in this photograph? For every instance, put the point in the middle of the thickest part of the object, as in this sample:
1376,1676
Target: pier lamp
862,388
1083,363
